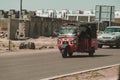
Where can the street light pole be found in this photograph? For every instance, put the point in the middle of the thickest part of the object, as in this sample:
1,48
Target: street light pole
20,9
20,19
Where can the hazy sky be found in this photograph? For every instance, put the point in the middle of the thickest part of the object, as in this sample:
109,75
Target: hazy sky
57,4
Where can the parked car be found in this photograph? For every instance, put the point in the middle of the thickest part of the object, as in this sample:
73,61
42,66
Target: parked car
110,37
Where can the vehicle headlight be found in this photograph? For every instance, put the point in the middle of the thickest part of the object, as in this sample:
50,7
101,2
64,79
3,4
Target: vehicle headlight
99,37
113,37
73,42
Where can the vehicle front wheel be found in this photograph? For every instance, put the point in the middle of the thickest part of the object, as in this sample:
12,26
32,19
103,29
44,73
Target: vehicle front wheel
70,54
91,53
117,46
111,46
64,53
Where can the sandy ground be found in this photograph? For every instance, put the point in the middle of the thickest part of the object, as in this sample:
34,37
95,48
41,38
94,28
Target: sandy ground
40,43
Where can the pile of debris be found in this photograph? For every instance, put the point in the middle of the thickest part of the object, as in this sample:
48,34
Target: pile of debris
38,43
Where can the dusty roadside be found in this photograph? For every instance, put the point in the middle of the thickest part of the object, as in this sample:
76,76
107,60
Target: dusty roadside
40,43
103,73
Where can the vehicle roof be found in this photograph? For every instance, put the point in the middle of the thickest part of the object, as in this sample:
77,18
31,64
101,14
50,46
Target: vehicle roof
113,27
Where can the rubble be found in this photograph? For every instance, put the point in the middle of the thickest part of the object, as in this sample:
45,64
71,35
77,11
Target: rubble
38,43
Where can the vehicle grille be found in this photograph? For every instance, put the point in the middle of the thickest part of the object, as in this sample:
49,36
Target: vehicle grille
65,42
106,37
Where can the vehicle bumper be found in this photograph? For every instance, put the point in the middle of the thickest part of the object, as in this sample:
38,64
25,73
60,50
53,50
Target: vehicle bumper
109,43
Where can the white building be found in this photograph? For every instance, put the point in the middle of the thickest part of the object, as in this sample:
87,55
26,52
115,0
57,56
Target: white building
39,12
46,13
65,14
59,14
62,13
89,12
52,13
77,17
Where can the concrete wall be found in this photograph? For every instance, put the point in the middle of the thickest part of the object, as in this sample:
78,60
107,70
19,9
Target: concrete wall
3,24
13,28
45,26
37,26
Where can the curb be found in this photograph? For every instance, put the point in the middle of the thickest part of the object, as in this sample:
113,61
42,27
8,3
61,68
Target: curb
70,74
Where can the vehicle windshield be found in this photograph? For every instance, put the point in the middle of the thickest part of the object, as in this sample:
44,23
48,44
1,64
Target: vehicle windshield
110,30
68,31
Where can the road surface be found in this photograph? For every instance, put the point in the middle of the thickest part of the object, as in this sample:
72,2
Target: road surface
39,64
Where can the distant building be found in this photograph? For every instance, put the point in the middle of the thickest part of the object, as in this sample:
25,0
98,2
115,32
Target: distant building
59,14
46,13
39,12
81,17
79,12
64,13
52,13
3,14
78,15
89,12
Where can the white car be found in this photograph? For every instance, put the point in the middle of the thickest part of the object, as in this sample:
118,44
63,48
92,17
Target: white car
110,37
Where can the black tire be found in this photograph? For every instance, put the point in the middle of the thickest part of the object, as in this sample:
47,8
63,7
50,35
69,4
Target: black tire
22,46
100,45
111,46
91,53
117,46
64,53
31,45
70,54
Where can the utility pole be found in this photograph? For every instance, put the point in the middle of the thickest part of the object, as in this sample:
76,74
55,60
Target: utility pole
99,19
20,9
110,16
9,25
20,19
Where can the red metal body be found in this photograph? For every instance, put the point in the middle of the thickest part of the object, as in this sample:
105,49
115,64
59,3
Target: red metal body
83,45
73,47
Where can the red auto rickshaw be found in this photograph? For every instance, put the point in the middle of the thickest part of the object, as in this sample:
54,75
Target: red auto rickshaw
77,38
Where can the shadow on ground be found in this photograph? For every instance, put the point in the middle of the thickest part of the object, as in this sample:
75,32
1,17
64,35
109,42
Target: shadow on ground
87,56
110,48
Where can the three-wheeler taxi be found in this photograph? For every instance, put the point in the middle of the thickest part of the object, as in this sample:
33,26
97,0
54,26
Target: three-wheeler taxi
80,38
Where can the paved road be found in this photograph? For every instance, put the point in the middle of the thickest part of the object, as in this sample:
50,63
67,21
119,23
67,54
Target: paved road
38,64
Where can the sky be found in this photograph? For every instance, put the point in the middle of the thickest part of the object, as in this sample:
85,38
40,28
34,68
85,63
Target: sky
57,4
